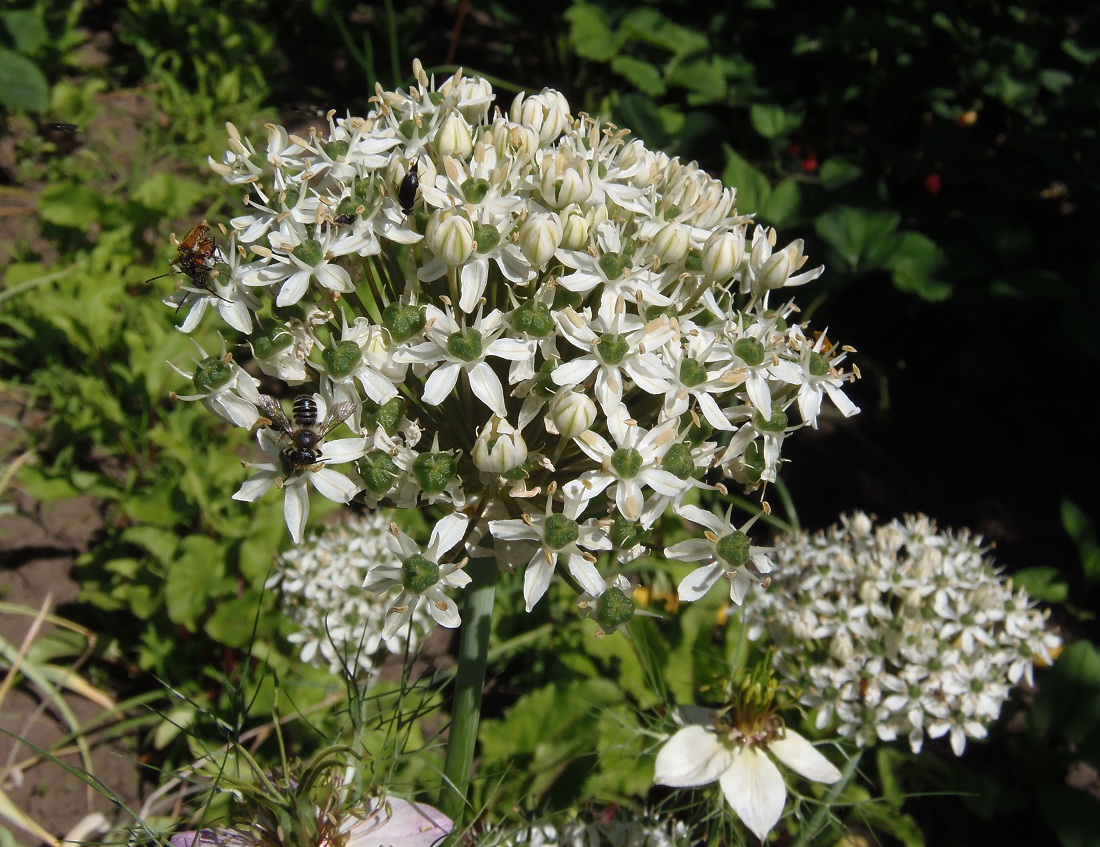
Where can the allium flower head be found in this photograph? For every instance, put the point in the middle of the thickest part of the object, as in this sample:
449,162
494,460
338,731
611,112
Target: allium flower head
900,629
519,302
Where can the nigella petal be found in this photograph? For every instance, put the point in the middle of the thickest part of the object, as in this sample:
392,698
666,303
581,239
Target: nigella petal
755,790
693,756
802,757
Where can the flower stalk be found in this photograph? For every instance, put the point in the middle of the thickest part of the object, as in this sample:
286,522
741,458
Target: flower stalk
473,656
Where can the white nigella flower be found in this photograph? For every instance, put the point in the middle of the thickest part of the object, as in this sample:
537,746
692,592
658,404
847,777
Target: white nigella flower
726,551
736,749
295,479
557,537
422,575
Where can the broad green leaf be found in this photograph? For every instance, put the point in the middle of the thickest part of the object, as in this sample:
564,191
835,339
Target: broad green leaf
233,621
914,263
854,232
782,203
752,186
1083,533
1045,584
835,173
703,78
590,33
1068,701
642,75
193,578
772,121
28,32
642,116
169,194
162,545
69,204
22,84
1071,814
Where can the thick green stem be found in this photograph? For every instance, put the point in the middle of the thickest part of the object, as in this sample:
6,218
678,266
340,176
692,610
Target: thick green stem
473,654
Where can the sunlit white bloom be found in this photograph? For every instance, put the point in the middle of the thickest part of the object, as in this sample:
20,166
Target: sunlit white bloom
742,765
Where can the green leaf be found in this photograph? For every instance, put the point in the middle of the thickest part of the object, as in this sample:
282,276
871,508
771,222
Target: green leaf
193,578
914,263
703,78
1055,81
752,186
835,173
642,116
171,195
1068,701
1083,533
22,84
234,620
160,544
590,33
642,75
772,121
1042,583
782,203
28,32
71,205
854,232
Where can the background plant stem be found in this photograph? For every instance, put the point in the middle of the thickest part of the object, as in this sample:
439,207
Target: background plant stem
473,653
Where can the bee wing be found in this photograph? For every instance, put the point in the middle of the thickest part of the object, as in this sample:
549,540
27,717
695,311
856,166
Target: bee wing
336,414
274,411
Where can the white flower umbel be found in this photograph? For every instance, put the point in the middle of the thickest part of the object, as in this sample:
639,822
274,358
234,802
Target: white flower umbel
899,630
339,625
422,575
535,295
736,748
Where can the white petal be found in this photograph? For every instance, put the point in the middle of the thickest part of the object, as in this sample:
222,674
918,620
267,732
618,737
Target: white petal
343,450
440,383
333,485
585,573
486,387
256,486
536,579
513,530
802,757
446,534
699,582
442,608
296,510
754,788
693,756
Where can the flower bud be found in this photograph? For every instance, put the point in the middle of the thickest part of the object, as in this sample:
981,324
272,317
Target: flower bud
451,237
546,113
539,237
454,137
572,413
499,447
723,253
775,272
574,230
564,179
672,243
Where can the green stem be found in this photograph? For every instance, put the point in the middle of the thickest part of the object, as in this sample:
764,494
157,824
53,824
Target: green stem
473,654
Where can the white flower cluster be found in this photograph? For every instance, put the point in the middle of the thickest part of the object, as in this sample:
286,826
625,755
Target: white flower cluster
646,831
338,623
523,314
899,629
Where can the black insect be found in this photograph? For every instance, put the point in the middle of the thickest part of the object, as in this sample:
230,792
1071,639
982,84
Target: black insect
195,258
406,194
305,433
